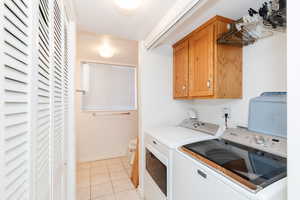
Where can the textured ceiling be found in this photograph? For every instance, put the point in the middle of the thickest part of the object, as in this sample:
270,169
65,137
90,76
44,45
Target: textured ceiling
104,17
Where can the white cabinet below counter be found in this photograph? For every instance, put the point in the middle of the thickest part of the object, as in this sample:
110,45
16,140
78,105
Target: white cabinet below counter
192,182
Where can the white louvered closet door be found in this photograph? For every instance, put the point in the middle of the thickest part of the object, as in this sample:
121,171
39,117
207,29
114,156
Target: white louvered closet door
34,99
43,111
14,107
66,92
57,102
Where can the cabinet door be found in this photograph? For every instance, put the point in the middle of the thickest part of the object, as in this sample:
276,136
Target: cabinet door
201,69
193,181
181,62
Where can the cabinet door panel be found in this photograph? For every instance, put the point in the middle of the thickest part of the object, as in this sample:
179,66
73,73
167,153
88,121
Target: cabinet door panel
193,181
181,62
201,67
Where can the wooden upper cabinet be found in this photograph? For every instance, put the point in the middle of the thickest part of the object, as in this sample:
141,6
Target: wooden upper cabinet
205,69
181,70
201,65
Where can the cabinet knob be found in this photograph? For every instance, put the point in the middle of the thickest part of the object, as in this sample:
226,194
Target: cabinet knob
183,87
208,84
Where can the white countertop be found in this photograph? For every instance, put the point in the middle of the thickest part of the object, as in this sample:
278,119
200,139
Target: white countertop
175,136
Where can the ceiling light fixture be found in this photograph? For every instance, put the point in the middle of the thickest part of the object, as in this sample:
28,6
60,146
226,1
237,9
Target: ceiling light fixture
128,4
106,51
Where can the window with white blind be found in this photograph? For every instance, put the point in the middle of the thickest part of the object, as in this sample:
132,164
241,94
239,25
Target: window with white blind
107,87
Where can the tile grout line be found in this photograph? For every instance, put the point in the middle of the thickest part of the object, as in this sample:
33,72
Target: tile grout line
114,192
90,175
107,167
123,169
108,172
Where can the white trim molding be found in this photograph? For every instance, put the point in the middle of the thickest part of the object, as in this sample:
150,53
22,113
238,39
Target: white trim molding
71,143
172,18
140,192
70,10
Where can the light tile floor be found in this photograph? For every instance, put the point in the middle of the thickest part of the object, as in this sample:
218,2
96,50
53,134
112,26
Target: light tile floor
105,180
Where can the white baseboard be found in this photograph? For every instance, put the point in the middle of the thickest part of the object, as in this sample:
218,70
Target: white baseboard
91,159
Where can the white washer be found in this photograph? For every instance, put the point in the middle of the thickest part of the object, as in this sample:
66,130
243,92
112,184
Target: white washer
240,165
160,144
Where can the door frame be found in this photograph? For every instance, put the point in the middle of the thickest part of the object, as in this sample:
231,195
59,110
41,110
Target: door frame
70,165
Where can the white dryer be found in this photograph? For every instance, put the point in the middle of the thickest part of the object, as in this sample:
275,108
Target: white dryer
160,144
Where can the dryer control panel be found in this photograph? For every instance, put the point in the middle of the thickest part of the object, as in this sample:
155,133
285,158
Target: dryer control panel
197,125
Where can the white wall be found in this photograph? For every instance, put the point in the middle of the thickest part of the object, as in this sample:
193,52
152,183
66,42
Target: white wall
103,137
293,101
264,69
157,106
156,88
